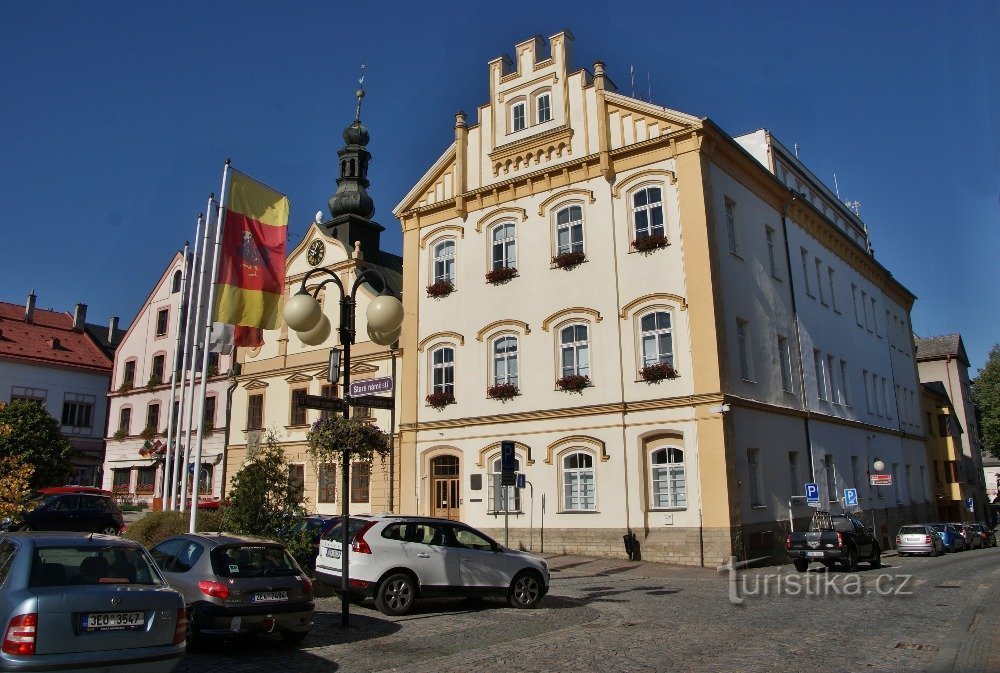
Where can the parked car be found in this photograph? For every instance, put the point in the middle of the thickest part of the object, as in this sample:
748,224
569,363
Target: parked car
986,534
833,539
397,559
919,539
971,541
86,602
950,535
235,584
70,509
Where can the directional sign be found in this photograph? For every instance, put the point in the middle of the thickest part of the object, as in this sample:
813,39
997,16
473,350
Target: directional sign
372,401
880,479
969,505
368,386
319,402
851,497
812,494
522,481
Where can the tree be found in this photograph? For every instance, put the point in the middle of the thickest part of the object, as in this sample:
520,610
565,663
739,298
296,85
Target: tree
986,395
27,430
15,486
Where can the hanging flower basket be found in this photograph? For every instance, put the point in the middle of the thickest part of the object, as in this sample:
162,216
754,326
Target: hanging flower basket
154,381
503,391
568,260
650,243
442,288
331,439
658,372
440,400
501,275
573,383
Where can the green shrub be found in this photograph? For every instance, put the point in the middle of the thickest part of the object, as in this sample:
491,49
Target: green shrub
156,527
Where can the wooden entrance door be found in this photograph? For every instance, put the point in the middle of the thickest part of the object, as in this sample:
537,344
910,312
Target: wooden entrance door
445,478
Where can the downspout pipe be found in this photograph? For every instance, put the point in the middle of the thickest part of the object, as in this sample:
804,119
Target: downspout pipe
229,423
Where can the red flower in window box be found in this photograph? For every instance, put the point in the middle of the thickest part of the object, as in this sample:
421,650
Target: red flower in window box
574,383
503,391
568,260
442,288
440,400
650,243
658,372
501,275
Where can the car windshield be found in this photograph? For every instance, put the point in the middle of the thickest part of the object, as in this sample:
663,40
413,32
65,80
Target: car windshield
940,527
336,531
90,564
253,560
912,530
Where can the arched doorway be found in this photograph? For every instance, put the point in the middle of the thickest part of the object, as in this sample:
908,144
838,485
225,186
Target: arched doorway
445,478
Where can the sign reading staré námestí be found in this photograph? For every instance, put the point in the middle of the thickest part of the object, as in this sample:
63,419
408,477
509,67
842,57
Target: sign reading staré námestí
369,386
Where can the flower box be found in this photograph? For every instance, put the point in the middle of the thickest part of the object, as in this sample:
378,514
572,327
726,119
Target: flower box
568,260
573,383
442,288
148,433
154,381
658,372
125,387
143,489
503,391
440,400
501,275
650,243
120,434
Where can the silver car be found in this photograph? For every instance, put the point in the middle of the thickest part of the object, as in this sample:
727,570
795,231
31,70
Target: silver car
234,584
919,539
72,601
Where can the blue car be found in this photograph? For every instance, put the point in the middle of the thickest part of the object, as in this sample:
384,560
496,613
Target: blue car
950,535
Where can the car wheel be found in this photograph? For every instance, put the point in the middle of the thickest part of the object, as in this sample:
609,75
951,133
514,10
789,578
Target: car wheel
26,528
526,590
396,595
851,563
109,530
801,565
194,638
293,637
876,560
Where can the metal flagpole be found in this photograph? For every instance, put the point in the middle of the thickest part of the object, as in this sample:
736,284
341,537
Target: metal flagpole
188,336
220,225
164,488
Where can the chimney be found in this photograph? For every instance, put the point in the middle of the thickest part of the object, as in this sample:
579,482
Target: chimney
79,317
112,328
29,309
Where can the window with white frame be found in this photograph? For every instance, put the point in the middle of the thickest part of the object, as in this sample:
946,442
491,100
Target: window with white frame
805,270
845,383
831,373
908,471
743,348
647,213
656,339
517,118
569,230
857,311
731,233
754,478
864,309
831,478
771,254
833,292
505,360
818,364
504,237
667,478
444,262
496,489
868,394
176,285
574,347
878,332
793,472
785,364
885,398
543,108
443,370
819,281
579,490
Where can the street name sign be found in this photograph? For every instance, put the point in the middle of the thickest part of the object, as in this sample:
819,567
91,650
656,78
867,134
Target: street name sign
851,497
372,401
369,386
522,481
881,479
812,494
319,402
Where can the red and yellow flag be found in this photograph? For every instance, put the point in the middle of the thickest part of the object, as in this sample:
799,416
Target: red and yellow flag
251,279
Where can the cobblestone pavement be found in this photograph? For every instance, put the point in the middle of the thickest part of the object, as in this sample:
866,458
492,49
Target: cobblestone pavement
915,614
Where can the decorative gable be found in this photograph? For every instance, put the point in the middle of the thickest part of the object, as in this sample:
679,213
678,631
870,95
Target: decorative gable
298,377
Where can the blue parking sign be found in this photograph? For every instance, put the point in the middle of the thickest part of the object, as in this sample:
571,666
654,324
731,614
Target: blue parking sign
851,497
812,494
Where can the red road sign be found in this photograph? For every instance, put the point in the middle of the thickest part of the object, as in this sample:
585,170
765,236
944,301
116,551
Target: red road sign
880,479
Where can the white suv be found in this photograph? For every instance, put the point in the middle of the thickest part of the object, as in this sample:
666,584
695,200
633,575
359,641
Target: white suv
397,559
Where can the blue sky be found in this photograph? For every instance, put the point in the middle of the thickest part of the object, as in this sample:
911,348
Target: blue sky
116,118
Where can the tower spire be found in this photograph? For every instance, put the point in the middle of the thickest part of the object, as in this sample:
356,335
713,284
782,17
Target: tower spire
360,93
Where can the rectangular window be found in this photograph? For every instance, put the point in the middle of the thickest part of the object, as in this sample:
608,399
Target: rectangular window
868,395
771,256
153,417
125,420
942,425
920,486
908,471
543,108
297,479
937,473
885,399
753,469
831,478
951,471
845,383
122,478
161,321
78,414
255,411
145,481
819,282
890,329
820,374
879,401
785,363
734,243
297,415
128,374
855,299
831,372
327,483
833,292
517,117
360,482
793,472
328,390
805,270
156,370
878,332
743,346
208,419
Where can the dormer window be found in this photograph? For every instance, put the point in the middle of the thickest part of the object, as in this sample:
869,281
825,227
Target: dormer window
543,109
517,119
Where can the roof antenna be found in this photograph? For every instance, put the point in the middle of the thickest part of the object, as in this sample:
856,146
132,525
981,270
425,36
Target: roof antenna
631,75
836,187
360,93
796,150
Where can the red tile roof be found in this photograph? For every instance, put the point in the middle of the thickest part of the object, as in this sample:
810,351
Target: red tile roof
33,341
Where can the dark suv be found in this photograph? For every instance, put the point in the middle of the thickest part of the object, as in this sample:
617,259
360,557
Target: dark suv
76,511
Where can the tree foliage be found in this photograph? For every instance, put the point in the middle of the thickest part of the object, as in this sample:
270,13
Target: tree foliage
27,430
986,395
15,485
263,500
156,527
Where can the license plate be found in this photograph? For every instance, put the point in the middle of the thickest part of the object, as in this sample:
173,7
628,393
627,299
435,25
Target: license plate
814,554
269,597
333,553
112,621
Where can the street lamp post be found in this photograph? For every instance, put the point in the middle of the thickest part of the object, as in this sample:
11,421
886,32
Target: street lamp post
384,318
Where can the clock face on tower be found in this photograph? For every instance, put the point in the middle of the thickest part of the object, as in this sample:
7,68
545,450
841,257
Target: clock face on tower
316,250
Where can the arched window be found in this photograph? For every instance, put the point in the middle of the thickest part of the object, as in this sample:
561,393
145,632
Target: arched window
496,490
444,262
579,491
647,213
666,471
505,360
574,346
504,249
175,286
443,370
569,230
518,120
543,108
656,339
